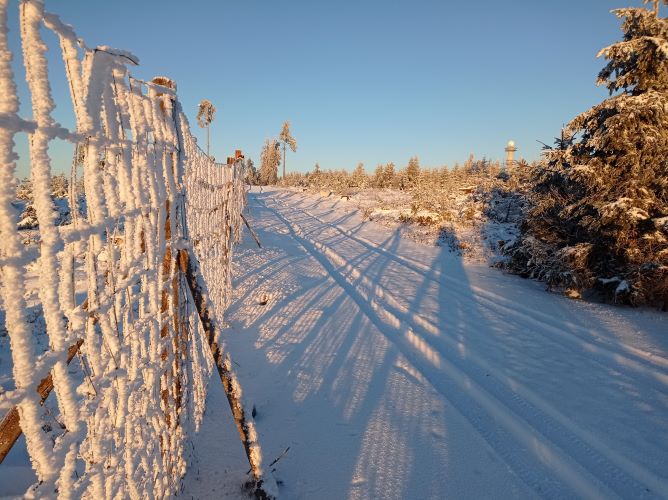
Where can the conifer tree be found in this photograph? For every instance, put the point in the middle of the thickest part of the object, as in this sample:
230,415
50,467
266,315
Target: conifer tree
205,116
288,140
270,158
389,175
600,215
379,177
413,171
316,176
250,172
359,177
444,176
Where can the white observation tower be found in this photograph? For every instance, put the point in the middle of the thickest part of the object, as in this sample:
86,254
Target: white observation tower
510,153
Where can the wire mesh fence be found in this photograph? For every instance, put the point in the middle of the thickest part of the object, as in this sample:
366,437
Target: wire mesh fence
123,360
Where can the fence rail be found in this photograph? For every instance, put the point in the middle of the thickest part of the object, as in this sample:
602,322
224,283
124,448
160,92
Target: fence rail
120,282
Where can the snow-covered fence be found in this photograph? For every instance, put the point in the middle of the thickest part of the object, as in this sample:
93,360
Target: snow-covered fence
214,205
111,285
214,209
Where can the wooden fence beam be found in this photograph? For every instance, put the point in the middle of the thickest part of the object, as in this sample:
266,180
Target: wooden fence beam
257,240
264,485
10,426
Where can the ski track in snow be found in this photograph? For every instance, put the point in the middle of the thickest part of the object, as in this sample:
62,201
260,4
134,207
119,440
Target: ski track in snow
494,301
562,405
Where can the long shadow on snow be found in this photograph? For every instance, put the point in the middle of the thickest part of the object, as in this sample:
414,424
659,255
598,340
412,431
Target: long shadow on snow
343,373
316,369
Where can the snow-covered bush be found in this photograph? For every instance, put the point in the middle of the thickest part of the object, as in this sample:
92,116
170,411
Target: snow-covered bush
59,186
59,195
24,190
473,209
601,194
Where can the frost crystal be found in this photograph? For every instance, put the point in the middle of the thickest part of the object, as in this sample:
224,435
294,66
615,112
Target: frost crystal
109,282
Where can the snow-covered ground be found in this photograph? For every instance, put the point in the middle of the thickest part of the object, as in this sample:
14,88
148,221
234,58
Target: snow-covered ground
384,368
219,466
390,369
470,220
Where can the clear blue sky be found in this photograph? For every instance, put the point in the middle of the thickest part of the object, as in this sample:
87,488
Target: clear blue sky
367,81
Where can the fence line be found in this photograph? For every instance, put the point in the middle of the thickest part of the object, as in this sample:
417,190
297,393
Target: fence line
111,282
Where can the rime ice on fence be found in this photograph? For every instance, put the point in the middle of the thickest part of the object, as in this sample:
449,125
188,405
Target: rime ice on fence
109,282
214,205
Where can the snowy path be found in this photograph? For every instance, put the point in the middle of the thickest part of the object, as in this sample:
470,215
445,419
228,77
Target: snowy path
393,370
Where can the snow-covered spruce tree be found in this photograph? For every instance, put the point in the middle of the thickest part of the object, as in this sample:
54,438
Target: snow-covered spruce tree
390,176
286,138
250,172
315,179
600,214
412,172
340,182
359,179
270,158
377,180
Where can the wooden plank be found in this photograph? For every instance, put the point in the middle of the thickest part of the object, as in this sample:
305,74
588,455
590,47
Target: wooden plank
257,240
10,426
190,267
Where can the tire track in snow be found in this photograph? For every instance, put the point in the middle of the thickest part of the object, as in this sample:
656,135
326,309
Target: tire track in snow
537,461
551,431
537,412
633,357
608,360
495,299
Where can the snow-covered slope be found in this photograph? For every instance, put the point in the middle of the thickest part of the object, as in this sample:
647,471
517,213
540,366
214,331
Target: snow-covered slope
394,370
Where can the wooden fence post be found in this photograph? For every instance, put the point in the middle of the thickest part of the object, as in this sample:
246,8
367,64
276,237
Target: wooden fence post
265,485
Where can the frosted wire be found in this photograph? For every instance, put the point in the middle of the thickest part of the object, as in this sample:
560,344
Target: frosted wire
110,278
